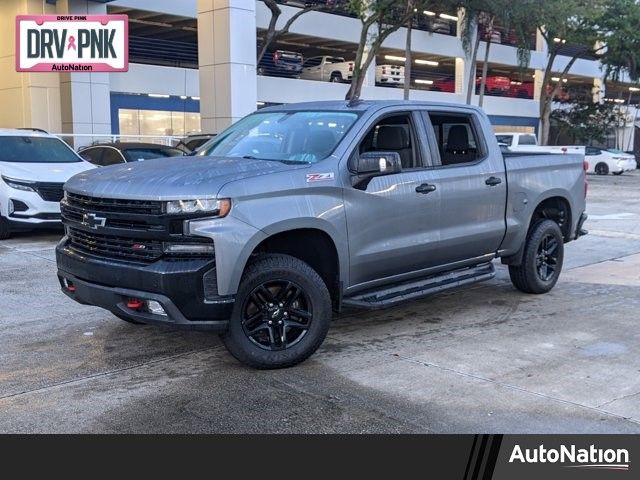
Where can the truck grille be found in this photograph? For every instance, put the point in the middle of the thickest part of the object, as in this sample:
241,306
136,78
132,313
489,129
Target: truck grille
49,192
114,247
114,205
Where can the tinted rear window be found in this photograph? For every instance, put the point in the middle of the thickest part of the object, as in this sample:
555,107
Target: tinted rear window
36,150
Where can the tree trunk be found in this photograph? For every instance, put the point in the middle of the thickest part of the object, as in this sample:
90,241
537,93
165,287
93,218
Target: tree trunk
471,86
485,65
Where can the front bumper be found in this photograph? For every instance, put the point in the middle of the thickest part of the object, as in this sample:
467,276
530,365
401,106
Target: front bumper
177,285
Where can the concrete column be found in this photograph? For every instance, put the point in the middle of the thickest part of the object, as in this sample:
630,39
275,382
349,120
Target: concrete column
598,91
227,61
84,96
27,99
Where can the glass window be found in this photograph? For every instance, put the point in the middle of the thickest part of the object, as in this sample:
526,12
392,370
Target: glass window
299,137
111,156
36,150
506,139
140,154
157,122
93,155
527,140
457,140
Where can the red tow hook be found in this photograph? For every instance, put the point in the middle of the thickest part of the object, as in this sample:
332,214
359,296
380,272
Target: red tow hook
135,303
71,287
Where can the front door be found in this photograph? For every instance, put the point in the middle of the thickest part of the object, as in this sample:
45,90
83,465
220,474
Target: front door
393,222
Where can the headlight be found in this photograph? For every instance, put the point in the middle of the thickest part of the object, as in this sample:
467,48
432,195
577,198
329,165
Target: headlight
24,185
219,208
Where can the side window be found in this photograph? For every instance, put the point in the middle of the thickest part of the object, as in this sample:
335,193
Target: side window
592,151
394,133
92,155
506,139
457,138
313,62
527,140
111,157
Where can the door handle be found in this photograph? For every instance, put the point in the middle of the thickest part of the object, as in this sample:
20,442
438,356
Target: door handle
493,181
426,188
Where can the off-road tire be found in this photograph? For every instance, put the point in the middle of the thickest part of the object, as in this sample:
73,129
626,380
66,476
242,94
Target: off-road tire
525,277
267,270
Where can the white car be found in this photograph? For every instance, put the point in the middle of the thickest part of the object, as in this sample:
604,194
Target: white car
390,74
33,168
603,162
327,69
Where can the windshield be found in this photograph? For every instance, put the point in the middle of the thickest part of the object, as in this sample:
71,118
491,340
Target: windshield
139,154
36,150
291,137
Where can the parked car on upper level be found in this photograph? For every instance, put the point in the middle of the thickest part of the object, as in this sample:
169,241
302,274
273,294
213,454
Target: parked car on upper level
191,143
105,154
521,89
296,211
327,69
444,85
605,161
390,74
495,85
33,168
281,63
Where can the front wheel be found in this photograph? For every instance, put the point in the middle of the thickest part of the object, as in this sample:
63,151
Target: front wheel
281,315
542,261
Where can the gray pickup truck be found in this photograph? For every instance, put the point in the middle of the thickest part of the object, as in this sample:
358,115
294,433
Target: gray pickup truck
296,211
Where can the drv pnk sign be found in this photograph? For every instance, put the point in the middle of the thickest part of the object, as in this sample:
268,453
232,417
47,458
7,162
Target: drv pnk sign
73,43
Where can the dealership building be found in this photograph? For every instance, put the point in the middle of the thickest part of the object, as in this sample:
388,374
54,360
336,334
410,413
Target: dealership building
193,68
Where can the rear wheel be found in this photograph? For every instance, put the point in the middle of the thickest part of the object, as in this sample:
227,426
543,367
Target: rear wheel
281,315
602,169
5,231
542,261
336,77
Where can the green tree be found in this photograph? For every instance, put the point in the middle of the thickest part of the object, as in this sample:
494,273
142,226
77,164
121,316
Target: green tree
588,123
379,19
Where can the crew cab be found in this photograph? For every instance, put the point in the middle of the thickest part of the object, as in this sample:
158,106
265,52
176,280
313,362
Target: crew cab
33,167
280,63
296,211
327,69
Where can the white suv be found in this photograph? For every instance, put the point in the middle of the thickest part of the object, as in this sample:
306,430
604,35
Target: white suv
33,168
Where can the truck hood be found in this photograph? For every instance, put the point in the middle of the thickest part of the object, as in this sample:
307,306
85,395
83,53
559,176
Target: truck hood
177,178
43,172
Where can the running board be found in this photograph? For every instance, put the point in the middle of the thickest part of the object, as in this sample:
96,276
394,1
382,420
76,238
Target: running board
390,296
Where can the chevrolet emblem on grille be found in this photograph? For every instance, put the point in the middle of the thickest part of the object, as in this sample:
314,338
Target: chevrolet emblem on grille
91,221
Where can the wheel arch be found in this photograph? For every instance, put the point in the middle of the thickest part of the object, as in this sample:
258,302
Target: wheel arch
554,206
314,243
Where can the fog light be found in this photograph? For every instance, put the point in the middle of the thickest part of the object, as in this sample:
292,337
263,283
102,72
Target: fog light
197,248
155,308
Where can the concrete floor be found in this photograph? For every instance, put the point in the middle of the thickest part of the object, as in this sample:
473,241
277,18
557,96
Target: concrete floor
483,359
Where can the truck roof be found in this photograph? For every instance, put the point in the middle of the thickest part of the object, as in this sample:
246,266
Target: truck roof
362,105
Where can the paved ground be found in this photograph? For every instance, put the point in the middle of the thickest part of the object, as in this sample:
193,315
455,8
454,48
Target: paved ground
483,359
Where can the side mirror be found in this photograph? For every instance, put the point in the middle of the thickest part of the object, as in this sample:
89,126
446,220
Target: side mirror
373,164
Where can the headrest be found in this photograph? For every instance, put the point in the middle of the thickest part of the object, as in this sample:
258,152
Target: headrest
320,141
392,137
458,138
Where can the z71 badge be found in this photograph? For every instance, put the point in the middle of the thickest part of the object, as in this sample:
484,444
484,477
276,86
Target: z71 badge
319,177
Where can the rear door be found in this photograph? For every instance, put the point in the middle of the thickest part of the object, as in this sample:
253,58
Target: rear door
472,185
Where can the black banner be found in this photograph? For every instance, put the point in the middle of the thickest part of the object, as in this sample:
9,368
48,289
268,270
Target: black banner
459,457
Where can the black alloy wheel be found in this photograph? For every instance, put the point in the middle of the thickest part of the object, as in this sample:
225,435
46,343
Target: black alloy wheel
547,257
277,315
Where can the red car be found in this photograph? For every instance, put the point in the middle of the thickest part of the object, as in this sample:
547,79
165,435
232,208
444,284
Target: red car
444,85
521,90
495,85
